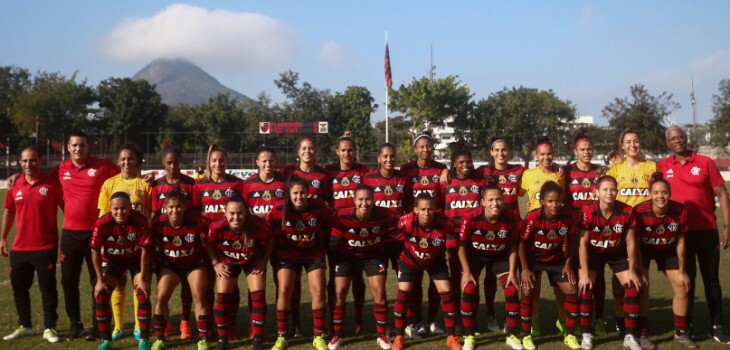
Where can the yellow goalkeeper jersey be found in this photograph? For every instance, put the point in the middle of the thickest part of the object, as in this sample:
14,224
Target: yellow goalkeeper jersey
633,184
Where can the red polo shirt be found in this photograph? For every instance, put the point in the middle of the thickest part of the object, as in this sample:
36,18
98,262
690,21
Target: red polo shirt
692,185
35,207
81,187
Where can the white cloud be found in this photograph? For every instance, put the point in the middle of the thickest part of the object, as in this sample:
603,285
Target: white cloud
214,38
332,53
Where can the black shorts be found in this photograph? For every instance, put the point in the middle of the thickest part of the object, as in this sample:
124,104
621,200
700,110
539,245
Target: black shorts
117,269
235,270
665,260
408,273
346,265
309,265
554,271
618,262
181,271
497,265
392,252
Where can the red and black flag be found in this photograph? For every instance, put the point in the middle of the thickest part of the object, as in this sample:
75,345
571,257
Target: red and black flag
388,74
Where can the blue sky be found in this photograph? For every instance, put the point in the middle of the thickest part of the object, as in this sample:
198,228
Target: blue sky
587,52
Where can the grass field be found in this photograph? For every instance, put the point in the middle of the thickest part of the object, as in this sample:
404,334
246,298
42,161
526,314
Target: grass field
660,318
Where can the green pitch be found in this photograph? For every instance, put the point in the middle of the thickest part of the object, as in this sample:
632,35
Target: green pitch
660,318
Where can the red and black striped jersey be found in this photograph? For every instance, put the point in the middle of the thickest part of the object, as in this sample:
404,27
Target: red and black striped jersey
660,234
161,188
580,185
261,196
509,181
461,196
302,235
344,183
392,193
237,248
607,236
365,239
545,237
425,180
183,245
121,243
488,239
211,197
320,184
423,248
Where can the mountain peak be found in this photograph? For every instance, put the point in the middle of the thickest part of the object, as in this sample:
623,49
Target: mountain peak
180,81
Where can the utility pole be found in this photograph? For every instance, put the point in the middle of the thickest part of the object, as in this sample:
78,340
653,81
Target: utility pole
694,113
432,68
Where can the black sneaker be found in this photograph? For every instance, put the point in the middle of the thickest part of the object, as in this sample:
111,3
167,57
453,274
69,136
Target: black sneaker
76,331
92,334
719,335
257,344
620,327
222,345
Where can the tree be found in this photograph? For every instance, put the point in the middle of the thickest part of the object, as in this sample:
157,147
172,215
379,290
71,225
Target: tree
350,111
13,80
401,140
720,123
219,121
428,103
51,106
520,115
644,113
133,107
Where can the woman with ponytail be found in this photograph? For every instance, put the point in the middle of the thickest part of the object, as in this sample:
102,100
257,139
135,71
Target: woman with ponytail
661,225
302,226
346,175
130,181
607,236
488,238
210,195
175,181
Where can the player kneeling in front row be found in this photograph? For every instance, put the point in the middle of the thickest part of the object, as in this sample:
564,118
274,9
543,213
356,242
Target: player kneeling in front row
179,239
121,242
488,240
661,225
426,236
358,244
544,233
240,243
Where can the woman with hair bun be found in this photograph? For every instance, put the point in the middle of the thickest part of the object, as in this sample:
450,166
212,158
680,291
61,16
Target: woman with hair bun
661,225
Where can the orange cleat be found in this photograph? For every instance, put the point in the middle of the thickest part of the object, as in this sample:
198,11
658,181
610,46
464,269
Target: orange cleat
185,333
453,343
398,343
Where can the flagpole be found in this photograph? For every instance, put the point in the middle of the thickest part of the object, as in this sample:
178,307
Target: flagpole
386,97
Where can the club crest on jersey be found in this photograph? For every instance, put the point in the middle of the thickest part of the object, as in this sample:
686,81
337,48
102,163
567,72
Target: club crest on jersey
364,232
563,231
551,234
660,229
513,178
217,194
139,193
91,172
586,182
345,181
399,188
502,233
316,183
695,171
618,228
266,196
424,181
502,179
299,226
236,245
606,230
437,242
229,193
375,229
463,191
190,238
435,178
474,189
177,241
423,243
673,227
356,179
312,222
43,191
490,235
388,190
